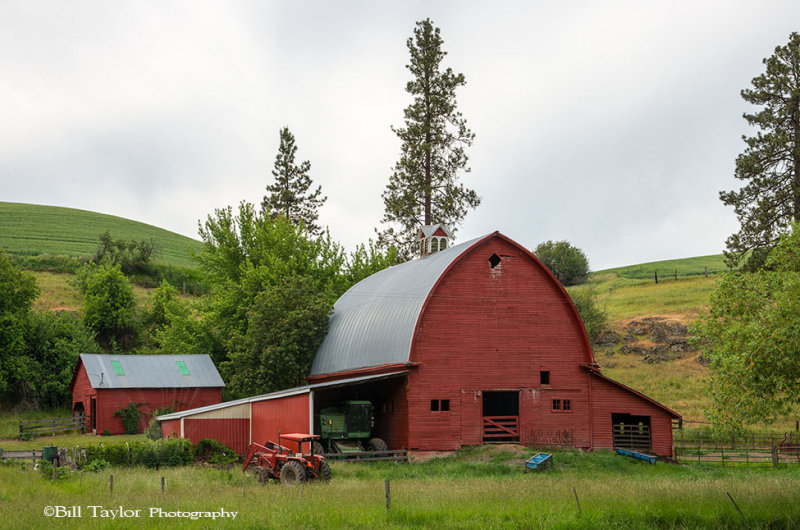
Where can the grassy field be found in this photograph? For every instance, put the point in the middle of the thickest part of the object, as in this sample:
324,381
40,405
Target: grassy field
30,229
484,487
697,266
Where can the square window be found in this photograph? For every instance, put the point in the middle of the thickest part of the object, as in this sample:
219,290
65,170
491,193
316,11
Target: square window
445,405
556,404
434,405
566,405
544,377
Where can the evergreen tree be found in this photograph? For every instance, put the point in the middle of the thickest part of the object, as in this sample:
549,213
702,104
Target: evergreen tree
770,201
291,195
423,188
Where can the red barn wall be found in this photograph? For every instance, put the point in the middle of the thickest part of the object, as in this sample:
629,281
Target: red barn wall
608,399
487,329
171,428
82,392
286,414
233,432
112,399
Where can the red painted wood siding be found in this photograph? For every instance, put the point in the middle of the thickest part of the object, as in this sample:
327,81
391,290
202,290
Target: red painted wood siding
82,391
495,328
113,399
288,414
608,399
233,432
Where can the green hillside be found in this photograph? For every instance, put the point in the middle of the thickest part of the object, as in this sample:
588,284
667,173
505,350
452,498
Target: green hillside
30,230
696,266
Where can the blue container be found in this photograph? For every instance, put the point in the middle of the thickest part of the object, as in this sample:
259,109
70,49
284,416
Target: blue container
539,461
637,455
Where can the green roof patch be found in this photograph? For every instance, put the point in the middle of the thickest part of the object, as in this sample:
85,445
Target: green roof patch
182,367
117,367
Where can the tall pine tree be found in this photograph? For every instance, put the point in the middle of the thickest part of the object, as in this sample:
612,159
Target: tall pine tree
291,194
423,188
770,201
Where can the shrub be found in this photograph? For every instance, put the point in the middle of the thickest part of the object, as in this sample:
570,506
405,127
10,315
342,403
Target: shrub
96,465
214,452
164,452
130,417
567,263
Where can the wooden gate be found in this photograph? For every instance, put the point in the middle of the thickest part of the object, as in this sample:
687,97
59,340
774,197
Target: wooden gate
500,429
633,437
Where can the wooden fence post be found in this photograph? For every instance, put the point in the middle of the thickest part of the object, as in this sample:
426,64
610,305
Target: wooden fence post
111,485
774,455
676,275
577,500
388,494
656,276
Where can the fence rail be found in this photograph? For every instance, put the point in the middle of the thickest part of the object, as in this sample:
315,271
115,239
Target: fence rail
53,425
750,449
400,455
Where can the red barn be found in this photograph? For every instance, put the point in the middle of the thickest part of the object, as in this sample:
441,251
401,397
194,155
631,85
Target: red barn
472,344
103,384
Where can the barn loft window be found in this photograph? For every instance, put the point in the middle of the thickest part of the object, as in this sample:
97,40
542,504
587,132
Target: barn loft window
562,405
434,405
434,244
182,367
443,243
117,367
494,260
544,377
556,404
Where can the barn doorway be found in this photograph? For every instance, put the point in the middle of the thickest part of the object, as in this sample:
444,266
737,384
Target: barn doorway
500,416
93,414
631,432
78,412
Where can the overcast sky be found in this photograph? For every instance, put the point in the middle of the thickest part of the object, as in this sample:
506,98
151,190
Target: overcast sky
612,125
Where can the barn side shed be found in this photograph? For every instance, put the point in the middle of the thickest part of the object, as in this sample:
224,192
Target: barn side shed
103,384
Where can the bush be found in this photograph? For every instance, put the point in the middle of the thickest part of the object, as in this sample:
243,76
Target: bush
130,417
593,316
567,263
96,465
213,452
164,452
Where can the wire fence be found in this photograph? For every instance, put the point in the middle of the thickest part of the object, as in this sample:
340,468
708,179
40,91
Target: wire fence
748,449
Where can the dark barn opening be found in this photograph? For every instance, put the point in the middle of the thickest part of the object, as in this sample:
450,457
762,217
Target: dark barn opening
500,417
631,432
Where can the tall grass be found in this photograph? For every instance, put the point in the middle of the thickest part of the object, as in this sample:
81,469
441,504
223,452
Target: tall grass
614,492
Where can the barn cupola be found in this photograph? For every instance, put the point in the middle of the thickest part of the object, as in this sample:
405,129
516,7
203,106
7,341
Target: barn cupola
433,238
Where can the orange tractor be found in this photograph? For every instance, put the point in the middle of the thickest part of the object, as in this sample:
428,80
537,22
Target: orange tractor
278,462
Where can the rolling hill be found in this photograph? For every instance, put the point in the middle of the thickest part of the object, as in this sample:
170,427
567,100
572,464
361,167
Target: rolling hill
30,230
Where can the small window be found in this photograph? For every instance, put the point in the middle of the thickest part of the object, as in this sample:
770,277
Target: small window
182,367
440,405
434,244
566,405
445,405
434,405
544,377
443,244
117,367
556,404
494,260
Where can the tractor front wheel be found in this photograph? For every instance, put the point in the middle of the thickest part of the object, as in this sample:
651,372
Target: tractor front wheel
324,471
292,473
376,444
261,473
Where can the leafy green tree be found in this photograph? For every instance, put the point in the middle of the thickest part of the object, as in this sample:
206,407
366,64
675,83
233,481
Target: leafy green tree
18,291
751,338
368,259
424,188
286,324
770,165
133,257
108,306
593,316
291,194
567,263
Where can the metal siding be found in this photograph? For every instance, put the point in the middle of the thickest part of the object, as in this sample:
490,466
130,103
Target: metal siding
233,432
374,322
151,371
225,413
288,414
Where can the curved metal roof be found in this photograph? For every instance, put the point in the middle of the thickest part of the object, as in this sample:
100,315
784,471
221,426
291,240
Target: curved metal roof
373,323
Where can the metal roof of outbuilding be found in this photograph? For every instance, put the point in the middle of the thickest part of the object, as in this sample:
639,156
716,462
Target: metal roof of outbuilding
373,323
150,371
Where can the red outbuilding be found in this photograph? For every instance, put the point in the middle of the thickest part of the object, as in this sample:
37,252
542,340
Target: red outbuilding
103,384
470,344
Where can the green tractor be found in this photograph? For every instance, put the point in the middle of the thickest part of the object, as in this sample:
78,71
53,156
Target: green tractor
346,429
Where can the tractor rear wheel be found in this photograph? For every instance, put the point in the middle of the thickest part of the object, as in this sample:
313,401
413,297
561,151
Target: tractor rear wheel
292,473
324,471
318,448
376,444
